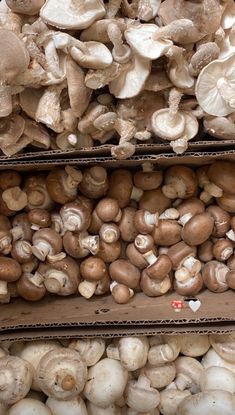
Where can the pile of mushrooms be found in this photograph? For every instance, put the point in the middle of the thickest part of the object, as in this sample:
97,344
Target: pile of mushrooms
189,374
81,73
92,232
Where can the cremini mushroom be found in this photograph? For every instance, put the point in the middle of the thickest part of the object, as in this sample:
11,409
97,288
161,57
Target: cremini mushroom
154,288
123,272
106,382
10,271
122,189
214,276
31,286
39,218
190,232
81,244
47,244
180,182
92,270
62,185
75,217
121,293
61,374
37,193
94,183
145,221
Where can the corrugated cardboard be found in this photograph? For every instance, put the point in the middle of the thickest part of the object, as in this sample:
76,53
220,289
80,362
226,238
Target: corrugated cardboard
68,317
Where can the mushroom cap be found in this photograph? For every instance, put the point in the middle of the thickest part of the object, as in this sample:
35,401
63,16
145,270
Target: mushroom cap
132,79
140,38
227,202
67,266
94,182
133,352
167,232
21,220
141,397
29,291
160,268
191,206
194,345
209,90
73,246
62,374
15,198
109,252
153,199
135,257
120,186
205,15
124,272
75,217
190,287
183,178
91,350
160,376
142,226
16,379
221,220
57,187
9,178
29,406
170,400
198,229
154,288
106,382
107,209
127,226
222,173
11,45
28,7
219,127
72,15
96,55
40,217
98,30
224,345
214,276
215,402
70,407
10,270
148,180
179,252
189,368
217,378
92,269
50,237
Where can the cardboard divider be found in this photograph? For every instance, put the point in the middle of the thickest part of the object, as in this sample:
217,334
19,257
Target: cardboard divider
76,316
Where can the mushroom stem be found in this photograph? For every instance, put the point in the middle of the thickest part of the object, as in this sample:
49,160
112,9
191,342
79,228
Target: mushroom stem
65,380
87,288
182,382
55,281
136,194
151,218
5,245
185,218
150,257
174,100
170,213
41,250
180,145
5,101
3,289
121,52
112,8
72,139
91,242
192,264
231,235
36,279
182,274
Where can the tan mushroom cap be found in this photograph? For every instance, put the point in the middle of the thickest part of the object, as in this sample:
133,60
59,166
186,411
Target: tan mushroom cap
135,257
29,291
148,180
160,268
108,209
222,173
15,198
127,226
179,252
214,276
198,229
167,232
154,288
120,186
227,202
48,237
28,7
192,286
94,183
154,198
72,14
9,178
92,269
10,270
40,217
180,181
109,252
123,272
121,293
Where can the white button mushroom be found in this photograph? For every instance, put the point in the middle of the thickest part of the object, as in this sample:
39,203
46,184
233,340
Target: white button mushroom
95,410
209,403
29,407
163,349
91,350
140,396
75,406
211,358
217,378
131,351
106,382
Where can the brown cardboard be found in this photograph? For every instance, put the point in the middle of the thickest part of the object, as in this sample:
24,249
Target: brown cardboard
75,316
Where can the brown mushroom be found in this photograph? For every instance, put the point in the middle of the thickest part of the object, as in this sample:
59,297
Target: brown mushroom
188,208
167,232
39,218
14,200
222,249
135,257
109,252
79,245
31,287
21,251
92,271
121,293
153,198
148,179
221,220
198,229
9,178
109,233
5,224
62,185
145,221
123,272
121,187
222,174
227,202
214,276
37,193
75,217
189,287
183,260
10,271
47,244
5,242
61,277
94,183
180,182
154,288
126,225
108,210
205,251
95,224
21,229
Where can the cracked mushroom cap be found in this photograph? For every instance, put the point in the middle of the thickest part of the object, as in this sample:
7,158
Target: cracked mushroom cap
140,38
72,14
215,90
61,374
28,7
132,78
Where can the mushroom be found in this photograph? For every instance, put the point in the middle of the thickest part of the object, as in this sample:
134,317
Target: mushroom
62,185
222,174
152,198
10,68
73,14
122,189
170,399
92,271
221,220
160,376
80,245
106,382
194,345
61,277
79,94
183,260
109,233
5,242
206,53
126,224
145,221
209,188
97,410
179,182
135,257
21,229
163,349
211,359
222,128
14,199
205,251
39,218
28,405
188,286
224,346
21,251
141,10
31,287
37,193
15,378
70,407
214,276
148,178
140,396
217,378
75,217
10,271
188,373
167,232
131,351
214,88
154,288
61,374
222,249
108,210
47,244
91,350
91,55
123,272
28,7
190,232
159,267
216,401
33,351
94,183
121,293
